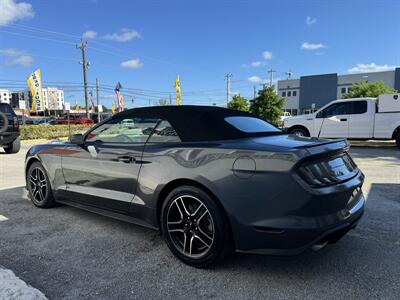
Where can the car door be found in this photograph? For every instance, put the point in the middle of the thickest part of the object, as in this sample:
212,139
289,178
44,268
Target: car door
334,120
103,171
361,123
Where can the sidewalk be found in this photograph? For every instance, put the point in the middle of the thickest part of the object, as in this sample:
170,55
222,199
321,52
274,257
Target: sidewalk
11,287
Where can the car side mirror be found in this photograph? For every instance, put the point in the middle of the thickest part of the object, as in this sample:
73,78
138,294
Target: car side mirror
76,139
321,114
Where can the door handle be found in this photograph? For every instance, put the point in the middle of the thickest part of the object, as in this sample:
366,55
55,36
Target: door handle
343,120
126,159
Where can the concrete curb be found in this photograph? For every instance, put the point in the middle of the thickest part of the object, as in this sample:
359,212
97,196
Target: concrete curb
11,287
372,144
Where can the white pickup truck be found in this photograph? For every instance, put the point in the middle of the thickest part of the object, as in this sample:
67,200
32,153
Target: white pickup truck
360,118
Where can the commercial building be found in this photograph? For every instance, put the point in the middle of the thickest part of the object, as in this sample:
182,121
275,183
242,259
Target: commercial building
5,96
309,93
53,99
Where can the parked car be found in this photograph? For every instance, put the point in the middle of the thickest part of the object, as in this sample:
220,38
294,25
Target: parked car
73,120
9,129
209,179
361,118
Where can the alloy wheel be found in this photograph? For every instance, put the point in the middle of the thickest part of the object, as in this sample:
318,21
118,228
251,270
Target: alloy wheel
190,226
38,185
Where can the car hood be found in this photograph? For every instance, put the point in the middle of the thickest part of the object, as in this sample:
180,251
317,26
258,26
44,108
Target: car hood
298,117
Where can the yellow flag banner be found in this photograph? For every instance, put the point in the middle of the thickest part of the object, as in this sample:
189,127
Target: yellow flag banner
177,86
113,107
35,85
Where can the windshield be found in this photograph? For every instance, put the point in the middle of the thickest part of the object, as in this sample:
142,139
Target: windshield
251,125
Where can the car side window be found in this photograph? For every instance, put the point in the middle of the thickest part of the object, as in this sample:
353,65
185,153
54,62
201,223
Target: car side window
129,129
359,107
164,133
338,109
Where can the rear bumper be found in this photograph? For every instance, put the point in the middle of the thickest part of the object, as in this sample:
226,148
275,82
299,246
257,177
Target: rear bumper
8,137
317,236
305,220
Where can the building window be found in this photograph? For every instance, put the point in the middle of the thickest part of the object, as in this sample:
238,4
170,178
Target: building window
294,93
283,94
349,89
289,94
343,90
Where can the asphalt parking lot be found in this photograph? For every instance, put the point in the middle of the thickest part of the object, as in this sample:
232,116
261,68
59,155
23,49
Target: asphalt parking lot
68,253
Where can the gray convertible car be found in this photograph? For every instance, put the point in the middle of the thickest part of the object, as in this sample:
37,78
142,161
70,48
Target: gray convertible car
210,179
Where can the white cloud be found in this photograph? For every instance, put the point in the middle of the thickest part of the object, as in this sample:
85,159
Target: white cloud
310,21
267,55
257,64
311,46
132,64
16,57
372,67
90,34
11,11
124,35
255,79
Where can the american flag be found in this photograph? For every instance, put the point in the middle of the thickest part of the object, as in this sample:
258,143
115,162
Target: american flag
118,88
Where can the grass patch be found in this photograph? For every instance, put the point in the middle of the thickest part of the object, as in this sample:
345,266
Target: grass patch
30,132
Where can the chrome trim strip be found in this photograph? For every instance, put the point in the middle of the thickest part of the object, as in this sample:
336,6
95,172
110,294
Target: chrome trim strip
358,205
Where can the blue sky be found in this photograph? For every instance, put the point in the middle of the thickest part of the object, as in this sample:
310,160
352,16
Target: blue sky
145,44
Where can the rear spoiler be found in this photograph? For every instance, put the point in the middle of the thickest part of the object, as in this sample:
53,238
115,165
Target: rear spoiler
326,146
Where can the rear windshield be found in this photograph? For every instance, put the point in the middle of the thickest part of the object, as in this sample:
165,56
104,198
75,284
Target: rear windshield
250,125
5,108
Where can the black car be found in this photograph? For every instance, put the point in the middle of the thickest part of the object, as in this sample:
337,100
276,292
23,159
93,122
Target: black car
9,129
209,179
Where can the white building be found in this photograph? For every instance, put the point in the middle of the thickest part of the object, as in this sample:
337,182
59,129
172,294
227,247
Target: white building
53,98
5,96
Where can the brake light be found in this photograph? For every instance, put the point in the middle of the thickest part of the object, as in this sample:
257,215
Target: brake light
328,171
15,123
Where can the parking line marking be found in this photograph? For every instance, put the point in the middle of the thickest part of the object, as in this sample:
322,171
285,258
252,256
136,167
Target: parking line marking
3,218
11,187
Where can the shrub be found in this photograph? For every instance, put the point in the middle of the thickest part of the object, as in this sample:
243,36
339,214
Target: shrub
49,132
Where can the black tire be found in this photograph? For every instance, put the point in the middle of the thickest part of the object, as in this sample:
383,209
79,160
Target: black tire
13,147
398,140
220,244
299,132
3,122
40,195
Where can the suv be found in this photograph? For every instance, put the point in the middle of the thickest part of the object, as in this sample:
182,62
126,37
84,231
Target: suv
9,129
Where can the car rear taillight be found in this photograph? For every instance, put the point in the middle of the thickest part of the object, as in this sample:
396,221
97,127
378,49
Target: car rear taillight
15,123
328,171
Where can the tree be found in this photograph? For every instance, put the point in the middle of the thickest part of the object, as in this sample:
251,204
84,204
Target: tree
268,105
239,103
368,89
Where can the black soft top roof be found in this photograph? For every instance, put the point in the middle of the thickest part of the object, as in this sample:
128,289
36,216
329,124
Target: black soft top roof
196,123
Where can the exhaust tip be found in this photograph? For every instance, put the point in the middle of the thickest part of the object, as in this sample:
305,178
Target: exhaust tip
317,247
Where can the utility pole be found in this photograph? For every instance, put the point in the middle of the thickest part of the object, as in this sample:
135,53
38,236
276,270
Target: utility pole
170,99
228,87
254,91
98,101
83,46
271,76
